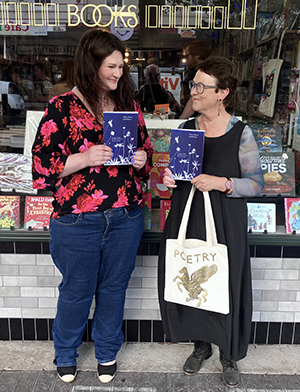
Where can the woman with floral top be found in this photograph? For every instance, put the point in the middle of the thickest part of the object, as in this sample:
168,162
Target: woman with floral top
97,222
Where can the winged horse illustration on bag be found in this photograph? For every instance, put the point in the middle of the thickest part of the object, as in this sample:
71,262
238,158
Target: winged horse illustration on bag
193,284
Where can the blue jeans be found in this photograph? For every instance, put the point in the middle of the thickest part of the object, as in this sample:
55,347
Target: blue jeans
95,253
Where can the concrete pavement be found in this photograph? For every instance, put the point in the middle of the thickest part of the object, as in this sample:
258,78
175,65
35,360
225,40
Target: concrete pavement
147,367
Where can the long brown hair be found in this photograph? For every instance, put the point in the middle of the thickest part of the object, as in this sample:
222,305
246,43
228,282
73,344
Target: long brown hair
94,46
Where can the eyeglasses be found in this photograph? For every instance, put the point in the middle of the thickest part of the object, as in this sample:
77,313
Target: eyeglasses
200,87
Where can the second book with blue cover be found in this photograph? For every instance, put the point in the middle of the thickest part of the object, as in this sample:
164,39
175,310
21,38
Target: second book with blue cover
120,133
186,153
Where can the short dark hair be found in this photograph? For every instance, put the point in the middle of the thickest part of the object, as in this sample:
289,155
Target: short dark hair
94,46
198,48
41,66
224,71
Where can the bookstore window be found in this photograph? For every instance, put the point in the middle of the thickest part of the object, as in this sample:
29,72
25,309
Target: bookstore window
261,37
112,3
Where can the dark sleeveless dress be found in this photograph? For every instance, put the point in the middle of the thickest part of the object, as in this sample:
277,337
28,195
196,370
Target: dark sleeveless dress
230,332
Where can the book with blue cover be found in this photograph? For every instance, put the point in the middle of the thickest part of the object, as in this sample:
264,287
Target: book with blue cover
120,134
268,139
186,153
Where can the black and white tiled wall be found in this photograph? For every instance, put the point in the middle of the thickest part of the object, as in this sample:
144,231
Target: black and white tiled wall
29,280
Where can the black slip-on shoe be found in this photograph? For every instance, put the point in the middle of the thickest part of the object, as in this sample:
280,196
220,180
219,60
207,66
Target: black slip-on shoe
106,373
67,374
201,352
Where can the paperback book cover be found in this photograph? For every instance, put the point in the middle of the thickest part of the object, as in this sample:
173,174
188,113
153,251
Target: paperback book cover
147,208
292,214
261,217
279,173
157,188
268,139
9,212
120,134
37,213
165,206
160,139
16,173
186,153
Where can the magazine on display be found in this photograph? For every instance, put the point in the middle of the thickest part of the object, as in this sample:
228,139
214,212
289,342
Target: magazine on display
279,173
120,134
261,217
9,212
38,210
186,153
160,161
292,215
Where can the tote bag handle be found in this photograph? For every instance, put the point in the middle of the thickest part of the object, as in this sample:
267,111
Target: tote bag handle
211,237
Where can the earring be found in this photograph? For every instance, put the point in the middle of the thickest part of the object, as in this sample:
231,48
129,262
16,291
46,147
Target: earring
219,107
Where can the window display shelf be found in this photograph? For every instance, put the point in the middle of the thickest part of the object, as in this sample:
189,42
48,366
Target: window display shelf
153,236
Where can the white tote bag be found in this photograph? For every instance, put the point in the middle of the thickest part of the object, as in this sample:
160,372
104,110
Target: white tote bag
196,270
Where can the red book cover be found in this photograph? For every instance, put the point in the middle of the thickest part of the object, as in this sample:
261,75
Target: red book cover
147,207
157,188
292,214
37,212
9,212
165,206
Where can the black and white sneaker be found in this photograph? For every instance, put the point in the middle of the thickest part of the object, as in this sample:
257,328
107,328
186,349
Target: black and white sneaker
67,374
106,373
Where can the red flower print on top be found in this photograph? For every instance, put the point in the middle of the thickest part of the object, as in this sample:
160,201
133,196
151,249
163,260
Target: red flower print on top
37,163
87,203
122,198
80,121
47,129
57,166
65,193
65,121
40,183
112,171
65,148
87,188
86,145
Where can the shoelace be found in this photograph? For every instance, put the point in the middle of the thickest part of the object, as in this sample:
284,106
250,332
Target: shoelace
228,363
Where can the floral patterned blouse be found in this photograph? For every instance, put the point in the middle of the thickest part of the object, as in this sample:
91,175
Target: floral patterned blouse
66,128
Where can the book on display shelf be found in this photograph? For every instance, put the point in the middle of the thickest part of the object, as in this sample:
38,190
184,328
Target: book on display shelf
15,173
147,208
160,139
165,206
120,134
261,217
292,215
38,210
186,153
9,212
268,139
279,173
160,161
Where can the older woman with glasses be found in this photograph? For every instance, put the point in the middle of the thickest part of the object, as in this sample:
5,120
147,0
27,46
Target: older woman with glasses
231,173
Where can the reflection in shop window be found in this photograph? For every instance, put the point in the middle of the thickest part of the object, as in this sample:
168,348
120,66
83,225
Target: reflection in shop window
112,3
